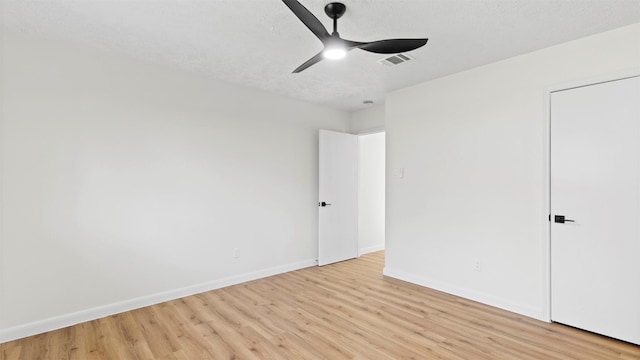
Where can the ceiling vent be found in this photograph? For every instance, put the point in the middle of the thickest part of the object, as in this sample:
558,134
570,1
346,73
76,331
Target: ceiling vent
396,59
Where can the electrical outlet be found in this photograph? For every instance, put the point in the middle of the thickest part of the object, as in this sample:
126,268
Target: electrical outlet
236,253
477,265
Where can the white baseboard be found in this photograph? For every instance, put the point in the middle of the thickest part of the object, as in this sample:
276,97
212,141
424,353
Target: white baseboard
371,249
62,321
525,310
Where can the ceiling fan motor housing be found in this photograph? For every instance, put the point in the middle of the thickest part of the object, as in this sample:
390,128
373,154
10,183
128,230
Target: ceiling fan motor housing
335,10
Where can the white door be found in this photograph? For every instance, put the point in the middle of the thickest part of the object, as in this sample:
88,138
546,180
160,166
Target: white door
595,185
338,197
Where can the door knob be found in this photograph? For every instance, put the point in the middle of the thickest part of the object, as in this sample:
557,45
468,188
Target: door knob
560,219
323,204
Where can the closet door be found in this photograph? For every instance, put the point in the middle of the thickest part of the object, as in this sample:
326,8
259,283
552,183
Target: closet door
595,208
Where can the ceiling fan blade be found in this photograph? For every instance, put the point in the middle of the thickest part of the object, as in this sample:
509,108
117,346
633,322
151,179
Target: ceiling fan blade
352,44
392,46
309,62
308,19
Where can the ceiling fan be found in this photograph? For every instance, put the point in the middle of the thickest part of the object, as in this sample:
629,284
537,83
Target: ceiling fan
336,47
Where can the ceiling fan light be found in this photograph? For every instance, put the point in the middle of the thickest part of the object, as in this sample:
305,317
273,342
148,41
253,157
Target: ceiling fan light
334,53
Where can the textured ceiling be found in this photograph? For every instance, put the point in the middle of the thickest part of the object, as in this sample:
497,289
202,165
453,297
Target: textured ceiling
257,43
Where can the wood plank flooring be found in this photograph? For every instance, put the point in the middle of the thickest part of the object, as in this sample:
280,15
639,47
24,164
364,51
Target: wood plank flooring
341,311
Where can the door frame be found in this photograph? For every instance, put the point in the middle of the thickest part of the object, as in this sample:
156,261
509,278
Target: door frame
546,208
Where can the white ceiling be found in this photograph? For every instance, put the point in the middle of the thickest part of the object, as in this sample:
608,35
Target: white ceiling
257,43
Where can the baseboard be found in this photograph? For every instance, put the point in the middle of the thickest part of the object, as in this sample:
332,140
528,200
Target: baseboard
62,321
525,310
371,249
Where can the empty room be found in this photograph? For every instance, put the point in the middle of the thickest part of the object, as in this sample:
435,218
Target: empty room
304,179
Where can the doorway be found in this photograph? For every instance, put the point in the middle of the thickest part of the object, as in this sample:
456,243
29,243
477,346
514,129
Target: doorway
351,196
371,192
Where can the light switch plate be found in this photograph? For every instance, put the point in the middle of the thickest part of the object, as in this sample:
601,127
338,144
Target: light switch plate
398,173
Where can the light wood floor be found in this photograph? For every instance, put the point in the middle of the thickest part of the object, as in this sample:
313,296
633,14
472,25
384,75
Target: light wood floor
342,311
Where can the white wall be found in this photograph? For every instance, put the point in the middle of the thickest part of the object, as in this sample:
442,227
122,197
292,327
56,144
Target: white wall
2,303
371,192
472,149
367,120
125,184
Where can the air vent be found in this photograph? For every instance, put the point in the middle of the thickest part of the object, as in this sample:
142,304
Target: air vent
396,59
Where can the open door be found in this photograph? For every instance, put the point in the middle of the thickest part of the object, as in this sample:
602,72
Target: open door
338,197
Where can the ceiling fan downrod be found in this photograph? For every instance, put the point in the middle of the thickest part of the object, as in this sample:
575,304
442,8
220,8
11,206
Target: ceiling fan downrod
335,10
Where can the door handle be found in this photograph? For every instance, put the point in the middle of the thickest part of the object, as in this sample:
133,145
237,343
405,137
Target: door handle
323,204
560,219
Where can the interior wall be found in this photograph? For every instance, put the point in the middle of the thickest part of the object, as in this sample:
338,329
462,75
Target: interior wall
371,192
367,120
2,303
466,186
125,183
